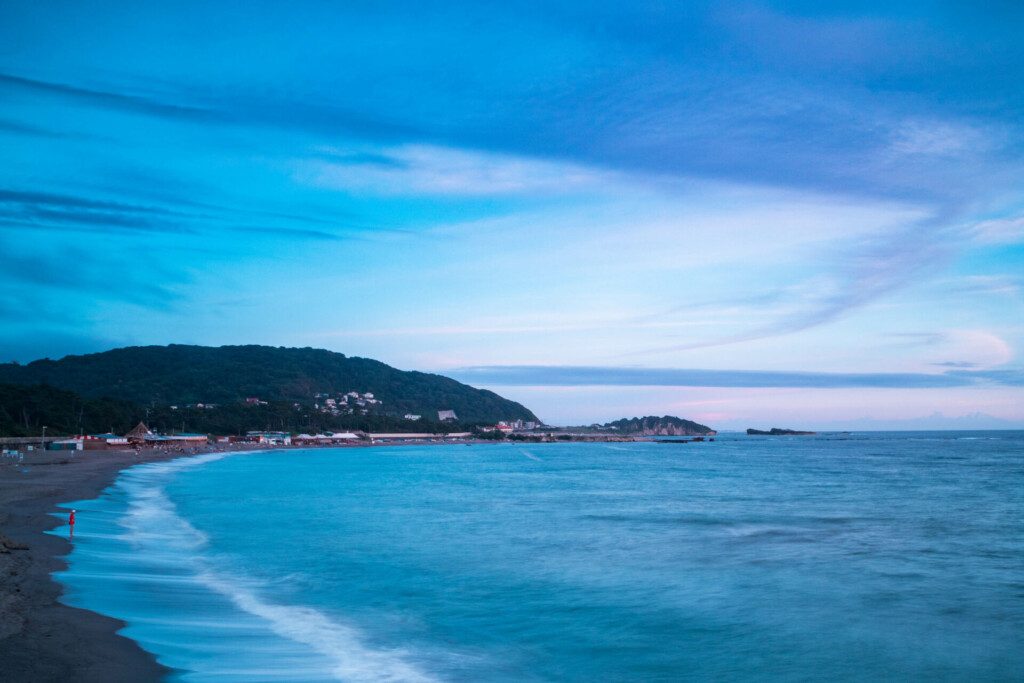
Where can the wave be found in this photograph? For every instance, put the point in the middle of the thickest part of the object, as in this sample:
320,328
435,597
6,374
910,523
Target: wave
343,644
172,551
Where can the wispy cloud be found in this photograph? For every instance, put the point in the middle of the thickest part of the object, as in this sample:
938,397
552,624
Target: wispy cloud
433,170
1009,230
863,271
999,285
19,128
104,98
73,269
40,210
206,106
917,338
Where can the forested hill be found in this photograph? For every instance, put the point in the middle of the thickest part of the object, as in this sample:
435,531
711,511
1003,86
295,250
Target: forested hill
180,374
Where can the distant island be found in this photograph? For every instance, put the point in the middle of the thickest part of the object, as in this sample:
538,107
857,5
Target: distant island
231,389
652,425
775,431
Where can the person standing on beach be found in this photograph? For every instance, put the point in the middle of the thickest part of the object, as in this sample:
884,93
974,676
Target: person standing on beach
71,522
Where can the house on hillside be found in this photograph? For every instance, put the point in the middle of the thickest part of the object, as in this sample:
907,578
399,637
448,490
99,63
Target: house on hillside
446,415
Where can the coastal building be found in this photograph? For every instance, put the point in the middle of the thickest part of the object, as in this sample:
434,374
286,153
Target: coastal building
410,416
445,415
138,434
176,439
112,439
270,438
78,443
308,439
324,439
343,436
503,427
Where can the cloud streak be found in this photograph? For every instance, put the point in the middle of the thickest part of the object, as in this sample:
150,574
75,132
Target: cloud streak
543,375
865,271
107,99
49,211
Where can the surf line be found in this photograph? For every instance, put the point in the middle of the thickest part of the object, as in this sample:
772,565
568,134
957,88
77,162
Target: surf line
531,456
345,647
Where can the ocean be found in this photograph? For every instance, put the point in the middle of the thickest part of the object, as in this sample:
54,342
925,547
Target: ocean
838,557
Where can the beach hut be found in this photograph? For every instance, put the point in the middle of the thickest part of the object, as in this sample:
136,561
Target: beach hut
138,434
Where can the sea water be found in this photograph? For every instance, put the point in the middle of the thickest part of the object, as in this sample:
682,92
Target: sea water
879,556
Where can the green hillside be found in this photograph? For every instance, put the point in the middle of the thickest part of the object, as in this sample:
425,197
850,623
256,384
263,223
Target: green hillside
24,410
179,374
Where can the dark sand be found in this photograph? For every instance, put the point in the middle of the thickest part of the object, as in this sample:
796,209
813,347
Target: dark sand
40,638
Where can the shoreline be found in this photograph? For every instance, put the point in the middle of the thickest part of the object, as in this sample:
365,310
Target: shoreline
41,638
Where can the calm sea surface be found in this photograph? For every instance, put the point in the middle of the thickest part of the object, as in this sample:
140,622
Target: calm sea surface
869,556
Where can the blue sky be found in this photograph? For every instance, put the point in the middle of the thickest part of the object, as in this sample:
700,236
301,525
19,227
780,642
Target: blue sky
810,213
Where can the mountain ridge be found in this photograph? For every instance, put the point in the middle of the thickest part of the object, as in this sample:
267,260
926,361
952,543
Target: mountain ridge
188,374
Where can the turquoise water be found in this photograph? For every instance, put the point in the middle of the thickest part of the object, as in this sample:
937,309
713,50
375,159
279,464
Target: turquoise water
860,557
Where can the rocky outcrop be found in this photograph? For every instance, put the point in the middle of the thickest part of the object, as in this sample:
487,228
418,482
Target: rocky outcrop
775,431
659,426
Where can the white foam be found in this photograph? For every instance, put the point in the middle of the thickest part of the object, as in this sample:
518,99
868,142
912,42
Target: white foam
153,525
342,644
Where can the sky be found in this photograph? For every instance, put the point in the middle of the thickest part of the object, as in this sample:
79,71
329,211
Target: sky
794,214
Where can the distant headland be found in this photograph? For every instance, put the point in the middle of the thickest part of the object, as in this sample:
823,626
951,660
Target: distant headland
651,425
